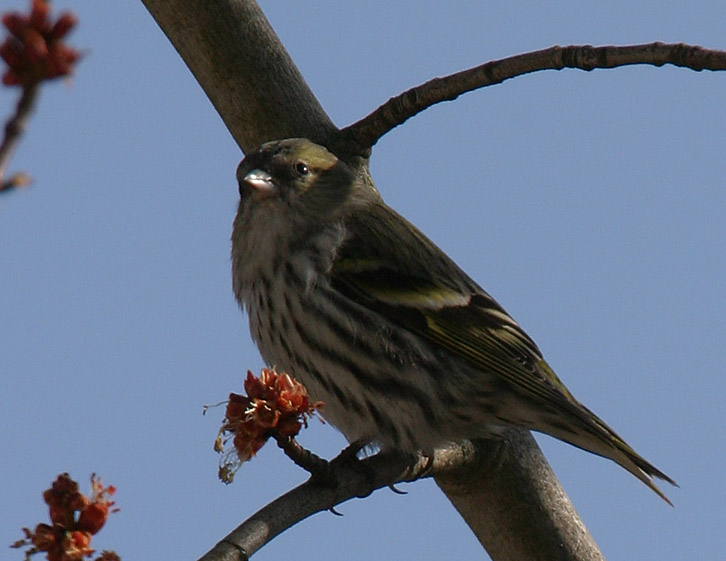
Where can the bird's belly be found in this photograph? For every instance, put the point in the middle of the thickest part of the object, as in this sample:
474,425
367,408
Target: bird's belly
377,381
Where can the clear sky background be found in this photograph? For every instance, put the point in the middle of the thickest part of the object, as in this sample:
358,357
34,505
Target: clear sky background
591,205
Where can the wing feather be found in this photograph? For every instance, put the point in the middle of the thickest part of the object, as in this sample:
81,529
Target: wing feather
425,292
385,264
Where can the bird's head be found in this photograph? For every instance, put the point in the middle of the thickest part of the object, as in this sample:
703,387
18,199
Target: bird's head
291,191
294,176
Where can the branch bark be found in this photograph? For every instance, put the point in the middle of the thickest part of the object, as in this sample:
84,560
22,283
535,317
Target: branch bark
352,480
504,489
245,71
400,108
471,475
508,495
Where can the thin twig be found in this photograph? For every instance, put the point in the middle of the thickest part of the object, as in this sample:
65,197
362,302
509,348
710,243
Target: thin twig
366,132
302,457
14,129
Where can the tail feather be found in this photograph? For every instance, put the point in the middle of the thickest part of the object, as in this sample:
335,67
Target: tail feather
623,454
593,435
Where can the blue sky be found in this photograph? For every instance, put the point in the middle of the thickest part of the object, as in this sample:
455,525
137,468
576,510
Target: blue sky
591,205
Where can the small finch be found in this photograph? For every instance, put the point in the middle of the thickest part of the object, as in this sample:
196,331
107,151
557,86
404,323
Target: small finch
405,350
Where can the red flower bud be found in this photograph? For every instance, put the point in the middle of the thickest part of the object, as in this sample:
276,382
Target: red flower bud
35,51
93,518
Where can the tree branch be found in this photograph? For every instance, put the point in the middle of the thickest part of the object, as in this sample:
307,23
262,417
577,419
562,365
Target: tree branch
244,69
460,471
14,129
508,486
397,110
352,479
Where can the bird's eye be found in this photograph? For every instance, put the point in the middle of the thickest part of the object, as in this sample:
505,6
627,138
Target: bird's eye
301,168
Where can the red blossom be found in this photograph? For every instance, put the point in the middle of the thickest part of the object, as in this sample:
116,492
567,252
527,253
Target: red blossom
75,517
34,50
93,518
275,403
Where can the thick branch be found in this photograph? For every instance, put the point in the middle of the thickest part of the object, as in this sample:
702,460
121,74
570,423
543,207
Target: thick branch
509,485
397,110
245,71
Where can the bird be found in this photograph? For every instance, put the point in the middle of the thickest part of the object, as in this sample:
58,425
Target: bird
404,349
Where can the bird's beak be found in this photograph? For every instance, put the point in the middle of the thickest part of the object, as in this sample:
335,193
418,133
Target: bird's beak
261,183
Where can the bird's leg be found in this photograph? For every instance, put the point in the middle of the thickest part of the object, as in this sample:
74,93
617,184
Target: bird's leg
349,458
350,452
327,472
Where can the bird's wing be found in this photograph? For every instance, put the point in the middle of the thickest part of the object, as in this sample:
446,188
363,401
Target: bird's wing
387,265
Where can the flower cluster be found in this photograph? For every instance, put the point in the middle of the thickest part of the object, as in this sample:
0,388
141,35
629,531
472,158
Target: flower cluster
275,404
34,50
75,519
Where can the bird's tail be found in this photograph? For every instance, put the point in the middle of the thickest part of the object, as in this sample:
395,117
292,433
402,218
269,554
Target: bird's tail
567,419
589,432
